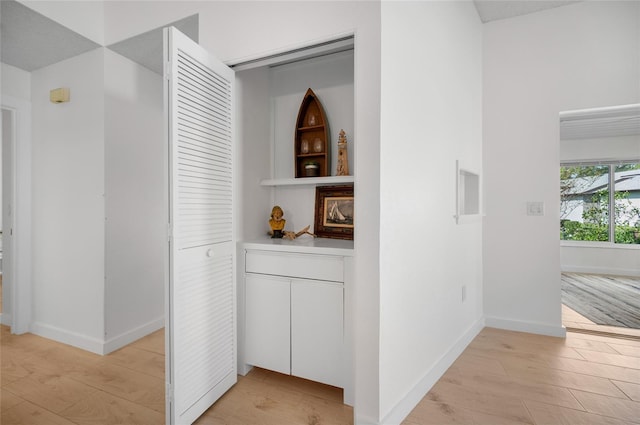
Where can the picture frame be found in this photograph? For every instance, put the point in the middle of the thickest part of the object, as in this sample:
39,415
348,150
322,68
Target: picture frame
334,217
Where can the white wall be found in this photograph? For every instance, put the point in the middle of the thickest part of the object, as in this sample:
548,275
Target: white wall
622,260
68,202
584,55
135,228
431,116
254,157
15,82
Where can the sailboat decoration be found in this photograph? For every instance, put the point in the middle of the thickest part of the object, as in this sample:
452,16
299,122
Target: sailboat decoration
311,141
334,213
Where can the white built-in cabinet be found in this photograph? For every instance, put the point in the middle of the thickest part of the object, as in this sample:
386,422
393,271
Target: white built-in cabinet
294,298
295,314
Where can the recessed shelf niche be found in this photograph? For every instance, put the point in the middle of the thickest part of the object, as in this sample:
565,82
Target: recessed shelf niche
467,194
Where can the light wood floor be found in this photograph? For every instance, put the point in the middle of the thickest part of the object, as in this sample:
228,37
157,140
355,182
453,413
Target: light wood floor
575,321
501,378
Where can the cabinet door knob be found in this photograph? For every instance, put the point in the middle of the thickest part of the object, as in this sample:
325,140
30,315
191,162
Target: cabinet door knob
210,252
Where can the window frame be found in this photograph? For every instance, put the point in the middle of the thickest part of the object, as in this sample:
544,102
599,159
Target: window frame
611,164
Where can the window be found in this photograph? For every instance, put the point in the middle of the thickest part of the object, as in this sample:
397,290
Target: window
600,202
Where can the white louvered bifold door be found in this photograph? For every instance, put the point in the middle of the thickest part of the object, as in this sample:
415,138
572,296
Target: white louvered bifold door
200,305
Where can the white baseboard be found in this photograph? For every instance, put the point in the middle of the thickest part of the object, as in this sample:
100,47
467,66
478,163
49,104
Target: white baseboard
64,336
95,345
601,270
529,327
407,404
126,338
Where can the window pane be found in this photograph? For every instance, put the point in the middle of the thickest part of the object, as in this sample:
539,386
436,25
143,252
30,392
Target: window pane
627,203
584,203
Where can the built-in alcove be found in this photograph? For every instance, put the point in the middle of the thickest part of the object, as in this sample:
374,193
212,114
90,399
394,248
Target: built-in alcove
467,194
269,98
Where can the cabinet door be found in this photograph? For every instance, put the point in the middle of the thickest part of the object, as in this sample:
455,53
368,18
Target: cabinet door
317,331
268,322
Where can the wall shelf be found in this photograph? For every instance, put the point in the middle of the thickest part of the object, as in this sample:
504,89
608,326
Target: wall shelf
309,181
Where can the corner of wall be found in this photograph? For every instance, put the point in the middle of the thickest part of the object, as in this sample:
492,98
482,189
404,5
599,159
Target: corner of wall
528,327
428,380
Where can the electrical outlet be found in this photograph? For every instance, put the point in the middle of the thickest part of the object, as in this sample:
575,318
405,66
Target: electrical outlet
464,293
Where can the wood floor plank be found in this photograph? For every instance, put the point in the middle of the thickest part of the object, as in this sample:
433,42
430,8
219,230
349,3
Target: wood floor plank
511,386
319,410
469,361
255,401
459,396
596,369
632,390
304,385
611,359
589,344
561,378
569,314
8,400
153,342
140,360
596,337
100,408
265,398
625,410
544,414
626,350
124,383
29,414
53,393
540,350
11,368
429,412
503,377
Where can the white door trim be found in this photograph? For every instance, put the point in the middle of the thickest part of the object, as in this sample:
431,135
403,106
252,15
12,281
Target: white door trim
21,255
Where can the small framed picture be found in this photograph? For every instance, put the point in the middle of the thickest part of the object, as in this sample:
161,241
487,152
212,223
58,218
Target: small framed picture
334,212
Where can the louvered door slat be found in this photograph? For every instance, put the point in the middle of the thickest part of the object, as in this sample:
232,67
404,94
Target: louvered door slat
201,328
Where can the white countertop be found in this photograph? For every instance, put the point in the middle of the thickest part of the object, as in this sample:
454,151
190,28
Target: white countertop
303,244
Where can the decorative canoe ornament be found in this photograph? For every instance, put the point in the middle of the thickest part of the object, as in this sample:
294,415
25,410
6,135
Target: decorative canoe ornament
311,141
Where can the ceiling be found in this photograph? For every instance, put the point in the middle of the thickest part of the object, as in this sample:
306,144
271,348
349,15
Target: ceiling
31,41
612,121
146,49
493,10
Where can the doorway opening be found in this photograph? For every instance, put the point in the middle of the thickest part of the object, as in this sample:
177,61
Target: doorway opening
5,219
600,220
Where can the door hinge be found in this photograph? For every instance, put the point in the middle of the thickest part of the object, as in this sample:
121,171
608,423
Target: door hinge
167,70
169,393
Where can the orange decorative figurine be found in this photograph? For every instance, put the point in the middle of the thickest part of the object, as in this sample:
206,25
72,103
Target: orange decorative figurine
277,223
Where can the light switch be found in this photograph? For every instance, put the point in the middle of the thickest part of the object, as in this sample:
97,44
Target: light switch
535,208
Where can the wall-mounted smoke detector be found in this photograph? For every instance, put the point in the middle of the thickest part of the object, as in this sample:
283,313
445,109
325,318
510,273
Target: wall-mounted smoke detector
60,95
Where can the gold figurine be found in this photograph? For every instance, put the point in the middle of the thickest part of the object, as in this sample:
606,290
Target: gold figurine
277,222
